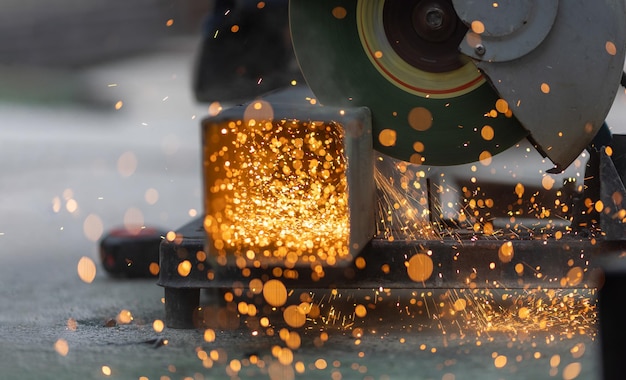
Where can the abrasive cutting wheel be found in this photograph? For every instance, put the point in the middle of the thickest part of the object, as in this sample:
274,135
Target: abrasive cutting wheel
400,58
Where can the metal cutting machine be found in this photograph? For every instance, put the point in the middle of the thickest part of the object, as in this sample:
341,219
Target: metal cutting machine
409,159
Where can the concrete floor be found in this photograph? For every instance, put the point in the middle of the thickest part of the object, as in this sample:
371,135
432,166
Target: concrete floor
69,173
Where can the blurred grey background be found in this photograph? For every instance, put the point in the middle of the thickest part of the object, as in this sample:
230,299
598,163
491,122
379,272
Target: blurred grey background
73,33
45,45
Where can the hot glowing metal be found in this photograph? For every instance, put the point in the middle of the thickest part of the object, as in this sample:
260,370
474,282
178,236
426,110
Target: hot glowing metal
279,186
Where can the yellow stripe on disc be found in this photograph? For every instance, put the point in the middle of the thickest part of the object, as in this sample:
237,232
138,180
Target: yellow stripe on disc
403,75
399,58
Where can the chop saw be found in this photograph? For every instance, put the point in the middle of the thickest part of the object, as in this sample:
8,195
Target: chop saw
343,195
431,71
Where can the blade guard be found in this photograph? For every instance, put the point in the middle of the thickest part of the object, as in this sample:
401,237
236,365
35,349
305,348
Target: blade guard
559,79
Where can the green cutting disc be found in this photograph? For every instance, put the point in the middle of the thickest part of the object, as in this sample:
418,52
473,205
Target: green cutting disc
430,105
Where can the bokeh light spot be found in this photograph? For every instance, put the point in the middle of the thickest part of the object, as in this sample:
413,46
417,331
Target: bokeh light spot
578,350
502,106
184,268
154,268
473,39
485,158
294,317
158,325
547,182
124,317
420,267
460,304
610,48
420,119
86,269
256,286
170,236
571,371
215,108
293,340
478,27
360,263
387,137
321,364
71,205
258,111
523,312
487,133
56,204
92,227
360,311
61,347
599,206
505,253
418,146
106,370
127,164
151,196
275,293
416,159
340,13
209,335
500,361
575,276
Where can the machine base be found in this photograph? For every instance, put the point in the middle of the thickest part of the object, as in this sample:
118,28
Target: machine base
463,263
